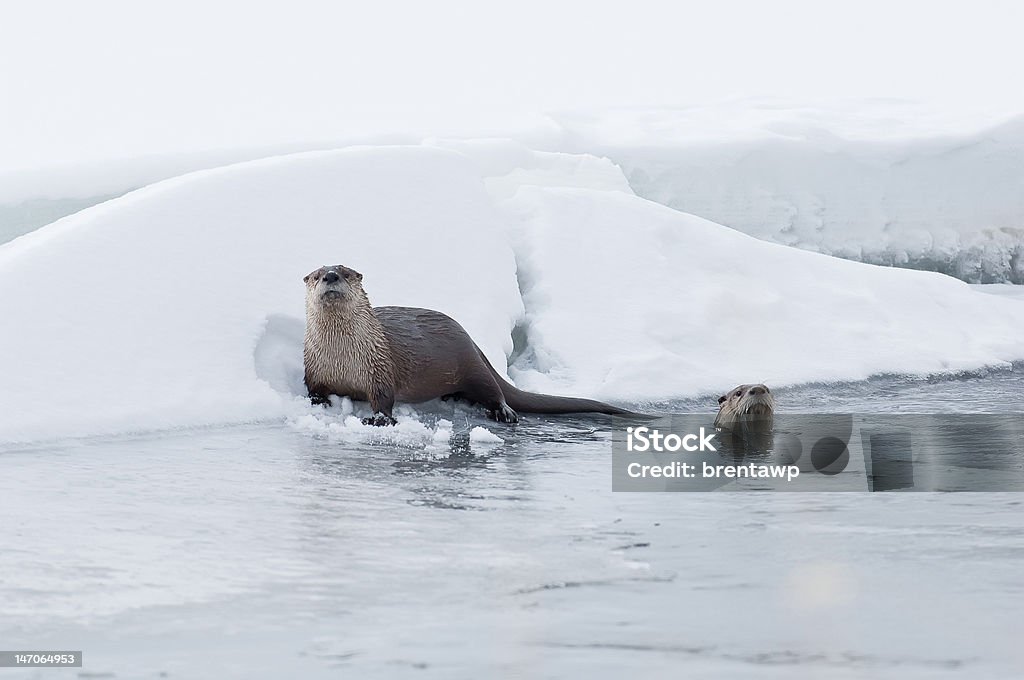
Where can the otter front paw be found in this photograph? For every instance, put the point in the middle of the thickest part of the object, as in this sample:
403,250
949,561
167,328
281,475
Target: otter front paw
379,420
503,414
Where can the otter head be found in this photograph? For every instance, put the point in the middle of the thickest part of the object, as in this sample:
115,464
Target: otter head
749,400
335,287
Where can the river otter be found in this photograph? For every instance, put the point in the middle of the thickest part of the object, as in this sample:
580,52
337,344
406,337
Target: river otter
388,354
749,407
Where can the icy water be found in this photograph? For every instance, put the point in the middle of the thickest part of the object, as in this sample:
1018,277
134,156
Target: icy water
269,552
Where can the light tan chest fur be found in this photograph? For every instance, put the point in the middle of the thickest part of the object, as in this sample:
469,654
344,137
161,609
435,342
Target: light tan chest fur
348,355
336,366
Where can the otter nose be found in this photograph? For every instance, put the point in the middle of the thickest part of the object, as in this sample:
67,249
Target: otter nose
757,390
331,277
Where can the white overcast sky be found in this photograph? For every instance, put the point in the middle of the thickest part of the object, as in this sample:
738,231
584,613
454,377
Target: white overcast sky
94,80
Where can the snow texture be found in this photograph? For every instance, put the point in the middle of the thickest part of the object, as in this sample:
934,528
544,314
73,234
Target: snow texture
881,186
181,304
884,181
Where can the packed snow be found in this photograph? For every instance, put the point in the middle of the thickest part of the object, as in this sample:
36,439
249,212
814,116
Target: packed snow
181,304
35,196
882,184
150,311
677,303
1005,289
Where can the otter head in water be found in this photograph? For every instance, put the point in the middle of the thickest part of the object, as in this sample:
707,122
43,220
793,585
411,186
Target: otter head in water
745,404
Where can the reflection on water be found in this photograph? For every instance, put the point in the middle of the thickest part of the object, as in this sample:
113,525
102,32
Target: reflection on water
267,552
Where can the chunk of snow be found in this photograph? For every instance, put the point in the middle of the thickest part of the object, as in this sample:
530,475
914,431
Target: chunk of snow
481,435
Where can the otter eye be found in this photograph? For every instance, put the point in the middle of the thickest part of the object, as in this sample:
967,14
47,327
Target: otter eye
738,393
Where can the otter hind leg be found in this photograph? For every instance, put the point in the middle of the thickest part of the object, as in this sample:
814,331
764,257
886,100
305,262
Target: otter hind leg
503,414
482,389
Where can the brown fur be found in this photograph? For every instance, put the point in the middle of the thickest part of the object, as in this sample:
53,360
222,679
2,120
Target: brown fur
750,406
388,354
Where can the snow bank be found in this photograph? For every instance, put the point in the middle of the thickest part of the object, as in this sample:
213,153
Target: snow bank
883,182
629,299
33,197
1005,289
181,304
507,165
149,311
887,185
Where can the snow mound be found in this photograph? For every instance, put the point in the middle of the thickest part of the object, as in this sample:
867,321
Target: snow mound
882,181
167,307
33,197
886,186
629,299
181,304
507,165
1004,289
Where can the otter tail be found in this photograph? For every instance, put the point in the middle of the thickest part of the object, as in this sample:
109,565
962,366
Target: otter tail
531,402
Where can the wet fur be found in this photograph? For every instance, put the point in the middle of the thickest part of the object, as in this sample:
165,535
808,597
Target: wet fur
388,354
746,407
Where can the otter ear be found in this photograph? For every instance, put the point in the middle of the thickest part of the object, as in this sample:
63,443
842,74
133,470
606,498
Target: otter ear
722,398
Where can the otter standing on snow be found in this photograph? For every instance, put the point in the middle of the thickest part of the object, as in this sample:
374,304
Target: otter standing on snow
389,354
746,406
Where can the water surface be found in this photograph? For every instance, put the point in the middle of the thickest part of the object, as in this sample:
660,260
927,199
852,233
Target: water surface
268,551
